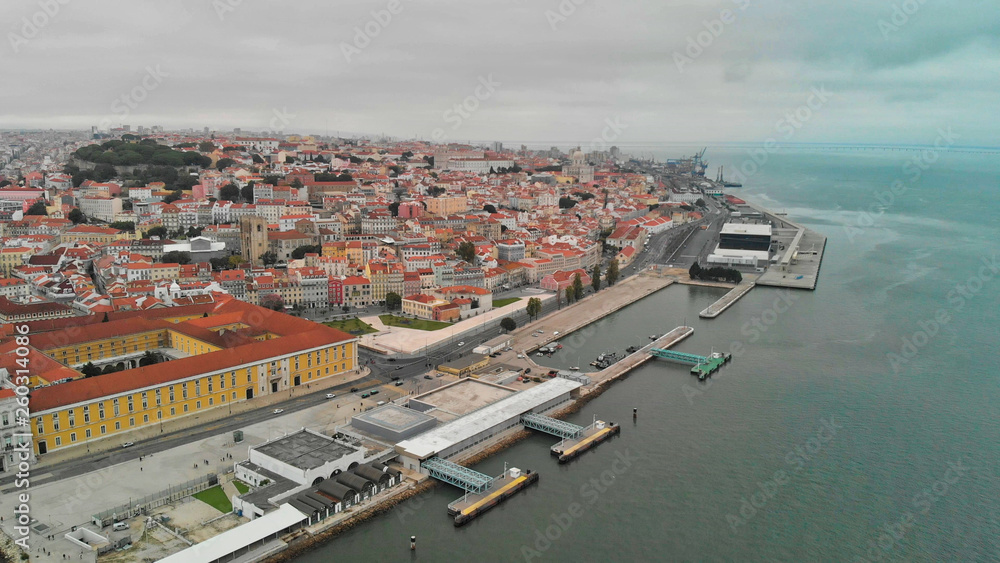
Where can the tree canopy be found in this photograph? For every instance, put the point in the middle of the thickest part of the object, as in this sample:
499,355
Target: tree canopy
37,208
229,192
393,301
612,275
508,324
467,251
122,153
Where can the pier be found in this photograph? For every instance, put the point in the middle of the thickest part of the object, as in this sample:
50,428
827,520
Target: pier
501,488
704,366
798,267
569,449
732,296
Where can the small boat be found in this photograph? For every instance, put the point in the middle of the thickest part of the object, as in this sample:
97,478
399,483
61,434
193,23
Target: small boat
540,354
653,337
574,368
593,364
600,358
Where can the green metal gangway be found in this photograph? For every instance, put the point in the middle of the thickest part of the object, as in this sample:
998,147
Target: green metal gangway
551,425
681,357
457,475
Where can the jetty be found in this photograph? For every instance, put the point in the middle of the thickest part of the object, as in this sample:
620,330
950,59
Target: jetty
724,302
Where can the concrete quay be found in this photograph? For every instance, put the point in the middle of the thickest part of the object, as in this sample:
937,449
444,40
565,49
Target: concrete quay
798,267
724,302
586,311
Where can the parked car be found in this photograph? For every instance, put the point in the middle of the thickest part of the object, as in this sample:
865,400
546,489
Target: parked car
279,411
354,389
330,395
527,371
461,343
374,391
365,395
128,444
395,378
428,377
398,383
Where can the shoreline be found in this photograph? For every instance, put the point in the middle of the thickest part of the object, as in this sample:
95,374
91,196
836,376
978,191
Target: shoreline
302,544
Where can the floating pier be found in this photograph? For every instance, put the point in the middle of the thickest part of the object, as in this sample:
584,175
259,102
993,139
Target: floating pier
570,449
704,366
501,488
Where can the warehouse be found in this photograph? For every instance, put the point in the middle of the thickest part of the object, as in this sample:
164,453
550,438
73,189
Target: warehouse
463,433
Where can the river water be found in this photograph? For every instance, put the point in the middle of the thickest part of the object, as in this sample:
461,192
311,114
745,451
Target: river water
858,422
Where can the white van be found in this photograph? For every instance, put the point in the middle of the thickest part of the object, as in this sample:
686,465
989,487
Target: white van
380,403
119,526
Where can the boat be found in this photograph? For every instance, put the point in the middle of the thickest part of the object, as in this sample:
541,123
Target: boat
631,349
574,368
540,354
653,337
600,358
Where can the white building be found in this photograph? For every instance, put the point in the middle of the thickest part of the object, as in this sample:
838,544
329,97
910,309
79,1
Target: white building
101,208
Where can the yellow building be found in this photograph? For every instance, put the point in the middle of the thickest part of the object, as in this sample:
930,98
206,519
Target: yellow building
95,234
236,353
444,206
11,258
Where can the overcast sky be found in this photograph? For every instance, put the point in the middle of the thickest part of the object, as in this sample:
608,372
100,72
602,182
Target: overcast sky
560,71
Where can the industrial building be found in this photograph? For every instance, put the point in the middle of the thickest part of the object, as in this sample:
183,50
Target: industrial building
485,423
742,245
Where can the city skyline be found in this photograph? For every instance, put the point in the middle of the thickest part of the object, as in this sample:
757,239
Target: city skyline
555,73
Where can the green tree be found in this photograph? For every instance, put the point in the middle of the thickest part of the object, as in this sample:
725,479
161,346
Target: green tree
90,370
229,192
301,251
489,207
570,294
612,275
149,358
76,216
247,193
176,257
272,301
566,203
534,307
700,202
206,146
393,301
174,196
224,163
158,231
269,258
466,251
694,272
595,277
508,324
123,226
235,261
37,208
577,286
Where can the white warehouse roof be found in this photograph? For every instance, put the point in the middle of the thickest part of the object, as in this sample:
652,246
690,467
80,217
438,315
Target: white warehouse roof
239,537
746,229
443,437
